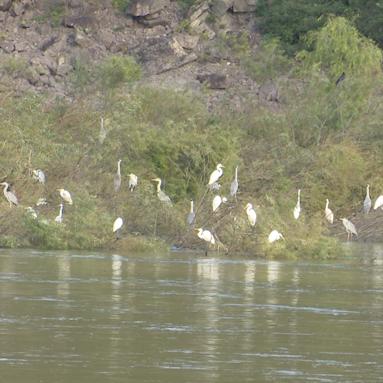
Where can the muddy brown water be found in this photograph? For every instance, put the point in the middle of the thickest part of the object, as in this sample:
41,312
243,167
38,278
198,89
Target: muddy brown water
100,317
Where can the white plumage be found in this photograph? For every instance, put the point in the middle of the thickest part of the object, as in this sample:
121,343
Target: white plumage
216,174
217,201
275,235
206,235
328,213
132,182
297,208
117,224
379,202
251,214
65,195
59,218
39,175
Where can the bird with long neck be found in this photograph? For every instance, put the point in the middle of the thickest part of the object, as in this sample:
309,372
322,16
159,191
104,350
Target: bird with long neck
9,195
328,213
117,177
191,216
297,208
59,218
251,214
215,175
234,184
162,196
367,201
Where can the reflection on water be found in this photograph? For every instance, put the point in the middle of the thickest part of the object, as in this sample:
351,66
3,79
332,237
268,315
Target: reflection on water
184,318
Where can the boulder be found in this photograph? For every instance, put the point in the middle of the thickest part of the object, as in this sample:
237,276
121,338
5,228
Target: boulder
140,8
220,7
244,5
5,5
213,80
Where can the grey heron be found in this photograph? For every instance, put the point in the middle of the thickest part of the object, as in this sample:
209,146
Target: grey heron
117,177
350,228
9,195
234,184
191,216
367,201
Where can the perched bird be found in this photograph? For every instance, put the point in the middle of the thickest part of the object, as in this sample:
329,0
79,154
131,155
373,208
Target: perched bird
65,195
367,201
59,218
215,186
39,175
328,213
117,225
41,202
216,174
275,236
9,195
206,235
191,216
217,200
297,208
162,196
117,177
251,214
31,212
379,202
350,228
132,183
234,184
340,78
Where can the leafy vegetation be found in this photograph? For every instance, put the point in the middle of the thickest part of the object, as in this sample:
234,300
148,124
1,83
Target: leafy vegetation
323,138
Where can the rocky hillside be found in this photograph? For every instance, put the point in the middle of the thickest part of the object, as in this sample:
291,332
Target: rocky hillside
42,43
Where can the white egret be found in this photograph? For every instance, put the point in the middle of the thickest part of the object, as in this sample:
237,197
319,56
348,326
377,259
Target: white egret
367,201
9,195
117,177
59,218
31,212
215,186
275,235
297,208
217,201
251,214
234,184
162,196
132,183
41,202
191,216
39,175
65,195
216,174
379,202
328,213
350,228
206,235
117,225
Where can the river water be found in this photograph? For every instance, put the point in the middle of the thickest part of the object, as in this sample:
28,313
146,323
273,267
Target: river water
178,318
